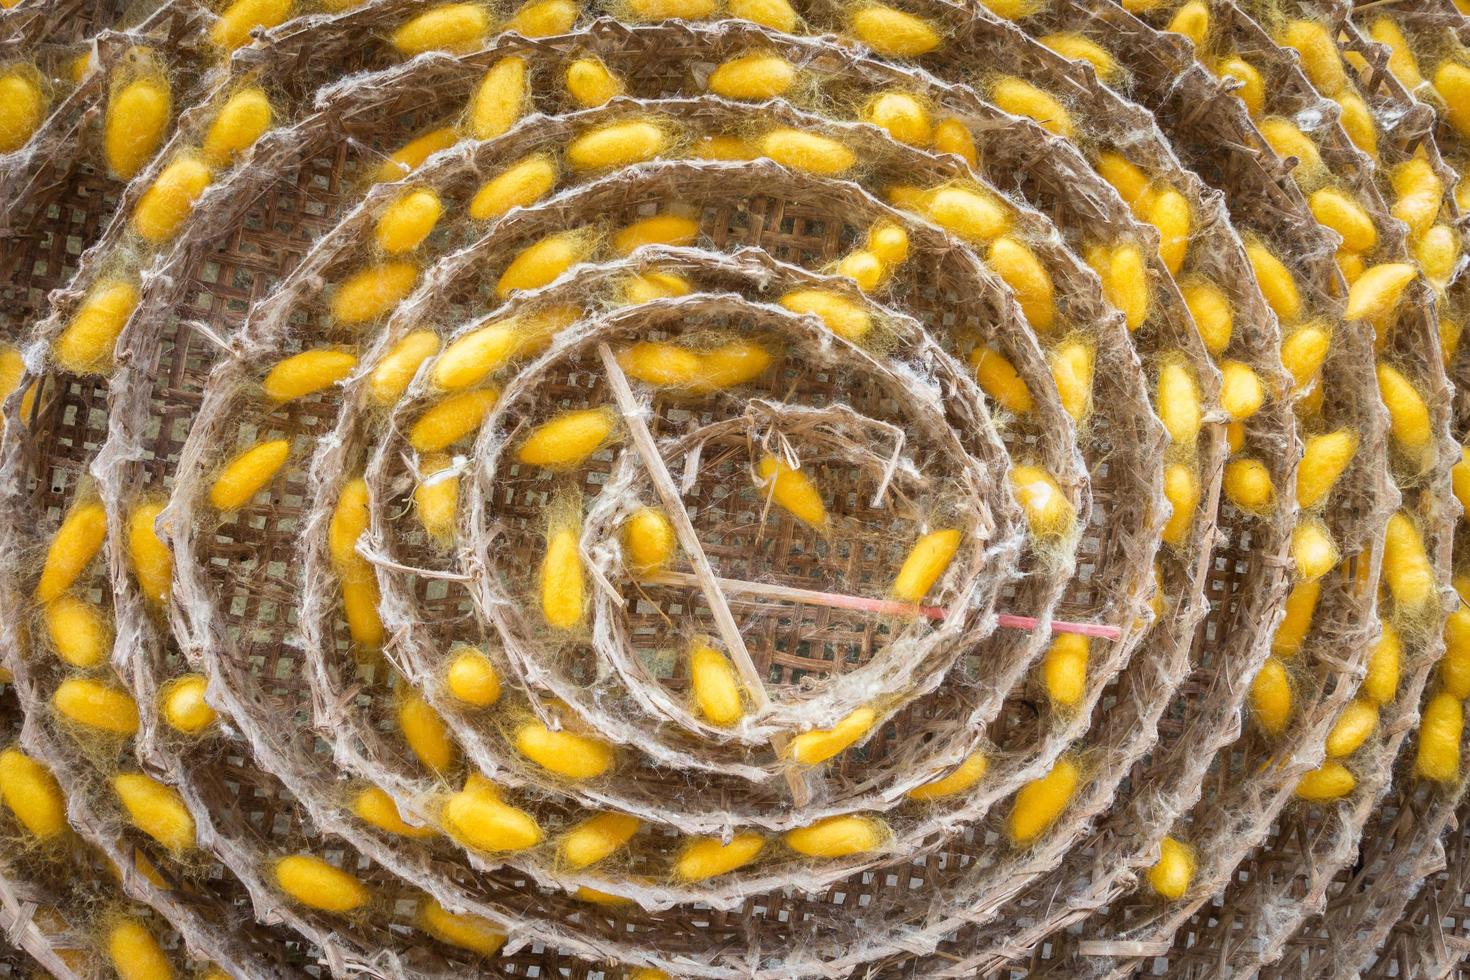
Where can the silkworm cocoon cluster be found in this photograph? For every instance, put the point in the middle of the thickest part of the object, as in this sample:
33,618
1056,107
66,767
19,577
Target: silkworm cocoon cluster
562,578
671,9
1179,402
471,678
616,145
925,563
1357,122
1287,141
240,18
96,704
953,136
864,268
818,745
1318,52
307,373
156,809
1376,292
1440,730
87,343
317,884
591,83
135,124
838,836
660,229
1171,875
1048,511
1340,211
72,549
373,291
135,954
247,474
791,490
1251,90
648,541
1406,566
458,28
413,154
543,18
1169,212
904,116
894,33
1382,680
1296,622
1125,281
1064,670
809,152
1330,781
1078,48
962,777
1312,550
1276,282
756,76
376,808
567,440
469,932
451,419
708,857
1418,192
542,262
1241,391
596,839
1015,262
406,222
1192,20
79,633
1352,728
32,794
1304,352
1247,485
1401,61
1324,459
1438,253
562,752
1452,82
778,15
1182,490
478,817
999,379
22,107
1271,697
183,704
1041,801
425,732
436,498
498,99
974,215
241,121
391,376
1072,369
1408,414
844,317
649,286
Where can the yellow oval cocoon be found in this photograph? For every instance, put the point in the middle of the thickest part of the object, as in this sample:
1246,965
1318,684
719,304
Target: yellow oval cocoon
1041,801
1021,98
965,775
1075,47
648,541
1125,282
839,836
1408,414
953,136
1271,697
903,116
1318,52
846,318
756,76
590,82
471,678
368,294
425,732
818,745
376,808
236,21
1401,62
1296,622
1304,352
1440,730
543,18
451,419
79,632
1406,565
406,222
22,108
1048,511
315,883
469,932
518,185
1169,212
542,262
792,490
1352,728
596,838
32,794
477,817
567,440
809,152
717,689
72,549
247,474
999,379
87,343
707,857
1452,82
1324,459
436,499
1015,262
498,100
1341,212
307,373
412,155
135,954
1276,282
1312,550
241,121
155,809
1241,391
184,706
1072,369
458,28
778,15
1171,875
1182,490
135,124
561,580
1376,292
1418,193
1064,670
1331,781
1384,660
894,33
1247,485
1179,402
616,145
391,377
925,563
1250,87
973,215
562,752
97,705
660,229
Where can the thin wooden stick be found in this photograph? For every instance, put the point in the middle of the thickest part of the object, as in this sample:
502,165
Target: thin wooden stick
887,607
704,573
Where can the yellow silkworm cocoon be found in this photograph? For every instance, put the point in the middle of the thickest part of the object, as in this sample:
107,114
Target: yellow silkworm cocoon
791,490
1331,781
413,154
894,33
1021,98
155,809
473,356
1350,264
1276,282
820,744
1064,670
184,706
436,498
1449,340
1288,141
1078,48
87,343
1234,436
247,474
451,419
976,216
1015,262
1440,730
96,704
1341,212
469,932
999,379
591,83
135,124
660,229
809,152
376,808
498,99
845,317
1418,192
476,816
1407,412
1041,801
241,121
889,242
671,9
368,294
1401,61
240,18
471,678
1312,550
1406,564
732,364
1131,183
838,836
1454,667
458,28
22,107
1357,122
1048,511
135,954
12,370
170,198
1182,490
1071,369
315,883
566,441
543,18
1352,728
75,544
1271,697
778,15
1171,875
616,145
349,522
425,732
596,838
1318,52
79,633
1124,276
1241,391
1452,82
707,857
408,221
1252,88
562,752
1296,621
32,794
1247,485
1011,9
1179,402
756,76
925,563
1192,20
561,579
1325,458
863,268
541,263
904,116
306,373
966,774
391,377
1304,352
1438,252
953,136
716,688
1382,680
1169,212
648,541
649,286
